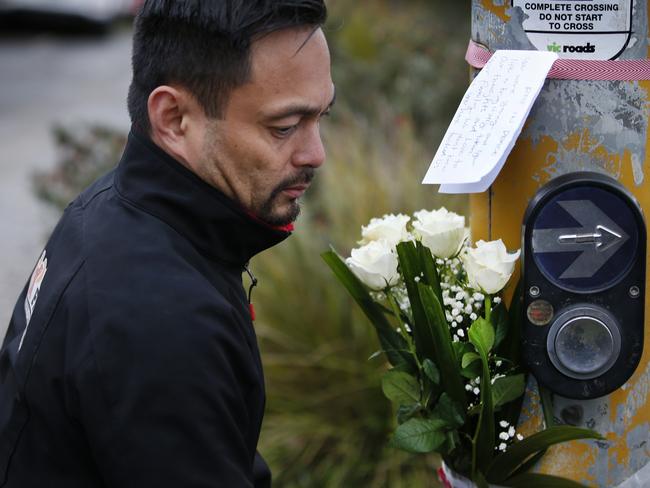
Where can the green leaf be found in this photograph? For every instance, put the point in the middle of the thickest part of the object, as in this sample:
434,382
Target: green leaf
507,389
472,371
431,371
409,265
453,441
481,334
405,412
499,318
511,411
536,480
420,435
400,387
484,435
546,398
450,377
529,463
460,348
430,329
447,410
505,464
479,480
469,358
510,347
404,368
429,269
394,344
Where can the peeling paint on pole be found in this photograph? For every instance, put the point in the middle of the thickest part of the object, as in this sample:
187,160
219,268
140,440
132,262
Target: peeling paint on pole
595,121
577,125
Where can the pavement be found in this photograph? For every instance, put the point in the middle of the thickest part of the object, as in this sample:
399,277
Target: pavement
47,79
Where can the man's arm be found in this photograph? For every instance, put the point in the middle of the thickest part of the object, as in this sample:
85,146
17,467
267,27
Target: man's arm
165,397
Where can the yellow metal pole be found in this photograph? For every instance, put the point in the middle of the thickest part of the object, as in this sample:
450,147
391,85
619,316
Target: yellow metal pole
576,126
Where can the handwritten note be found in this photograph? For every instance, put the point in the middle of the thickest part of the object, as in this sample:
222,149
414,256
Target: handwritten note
488,121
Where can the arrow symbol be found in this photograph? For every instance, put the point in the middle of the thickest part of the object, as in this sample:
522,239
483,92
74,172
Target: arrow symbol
603,238
599,238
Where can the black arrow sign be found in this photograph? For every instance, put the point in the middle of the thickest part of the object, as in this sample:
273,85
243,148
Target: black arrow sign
599,238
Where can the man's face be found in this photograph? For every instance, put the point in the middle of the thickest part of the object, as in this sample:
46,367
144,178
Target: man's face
265,149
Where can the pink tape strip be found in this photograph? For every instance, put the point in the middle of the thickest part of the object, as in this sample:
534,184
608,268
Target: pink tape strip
576,69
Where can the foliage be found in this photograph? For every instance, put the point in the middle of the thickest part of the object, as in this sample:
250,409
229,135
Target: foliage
401,60
84,154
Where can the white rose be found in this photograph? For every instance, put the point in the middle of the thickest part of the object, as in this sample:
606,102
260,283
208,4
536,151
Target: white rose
391,228
441,231
489,265
375,264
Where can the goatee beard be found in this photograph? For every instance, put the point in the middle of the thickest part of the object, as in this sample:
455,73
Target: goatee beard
266,212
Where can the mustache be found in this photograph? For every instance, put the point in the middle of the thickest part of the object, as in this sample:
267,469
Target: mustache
304,177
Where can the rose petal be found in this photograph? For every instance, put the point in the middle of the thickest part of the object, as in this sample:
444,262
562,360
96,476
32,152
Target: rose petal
375,264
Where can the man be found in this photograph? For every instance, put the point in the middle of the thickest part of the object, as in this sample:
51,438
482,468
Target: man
131,359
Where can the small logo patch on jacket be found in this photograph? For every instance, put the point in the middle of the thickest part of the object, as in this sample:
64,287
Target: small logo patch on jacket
38,275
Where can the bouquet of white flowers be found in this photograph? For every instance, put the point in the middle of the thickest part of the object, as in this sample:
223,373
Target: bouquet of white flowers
456,376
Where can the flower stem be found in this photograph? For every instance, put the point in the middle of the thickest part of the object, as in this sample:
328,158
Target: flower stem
398,315
488,308
402,326
395,308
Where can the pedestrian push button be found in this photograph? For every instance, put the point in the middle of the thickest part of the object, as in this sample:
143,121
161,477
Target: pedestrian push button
584,241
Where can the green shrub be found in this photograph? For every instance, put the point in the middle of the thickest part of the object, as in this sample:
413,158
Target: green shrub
84,153
401,59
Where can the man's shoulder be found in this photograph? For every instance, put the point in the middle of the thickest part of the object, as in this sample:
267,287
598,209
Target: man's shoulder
138,269
125,248
99,187
140,277
150,279
153,278
157,308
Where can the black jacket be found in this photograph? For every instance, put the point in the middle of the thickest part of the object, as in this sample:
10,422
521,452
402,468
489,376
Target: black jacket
139,365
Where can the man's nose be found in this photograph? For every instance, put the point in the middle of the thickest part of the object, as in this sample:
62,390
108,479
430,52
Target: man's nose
311,152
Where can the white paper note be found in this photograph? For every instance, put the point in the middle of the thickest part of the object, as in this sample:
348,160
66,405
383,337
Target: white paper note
488,121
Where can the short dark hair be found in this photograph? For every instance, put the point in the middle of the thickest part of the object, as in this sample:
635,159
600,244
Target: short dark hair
204,46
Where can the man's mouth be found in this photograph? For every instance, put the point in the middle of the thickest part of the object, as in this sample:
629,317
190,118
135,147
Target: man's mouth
294,187
295,191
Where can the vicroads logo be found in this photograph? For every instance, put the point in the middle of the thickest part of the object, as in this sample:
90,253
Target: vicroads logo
557,48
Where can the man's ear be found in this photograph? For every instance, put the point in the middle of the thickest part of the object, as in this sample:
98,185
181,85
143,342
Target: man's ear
173,114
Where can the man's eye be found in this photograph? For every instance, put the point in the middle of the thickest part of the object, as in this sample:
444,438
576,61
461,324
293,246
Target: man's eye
284,131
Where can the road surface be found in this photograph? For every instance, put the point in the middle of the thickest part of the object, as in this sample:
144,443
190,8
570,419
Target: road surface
47,79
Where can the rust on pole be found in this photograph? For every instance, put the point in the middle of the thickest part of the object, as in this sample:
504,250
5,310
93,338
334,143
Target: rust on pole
574,126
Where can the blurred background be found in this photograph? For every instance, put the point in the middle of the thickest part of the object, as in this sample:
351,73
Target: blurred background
399,70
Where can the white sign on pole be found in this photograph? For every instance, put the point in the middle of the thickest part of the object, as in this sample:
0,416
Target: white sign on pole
488,121
578,29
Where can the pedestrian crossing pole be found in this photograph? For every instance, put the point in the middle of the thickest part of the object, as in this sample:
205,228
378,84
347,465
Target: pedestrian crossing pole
577,125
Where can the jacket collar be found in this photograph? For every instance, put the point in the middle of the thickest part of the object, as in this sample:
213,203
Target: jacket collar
219,228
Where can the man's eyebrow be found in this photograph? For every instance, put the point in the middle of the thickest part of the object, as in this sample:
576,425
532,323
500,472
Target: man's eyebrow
300,109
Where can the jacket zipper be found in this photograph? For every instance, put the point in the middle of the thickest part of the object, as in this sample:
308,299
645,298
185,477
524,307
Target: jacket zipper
250,291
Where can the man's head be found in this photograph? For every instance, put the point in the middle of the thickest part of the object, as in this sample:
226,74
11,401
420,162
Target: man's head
234,90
